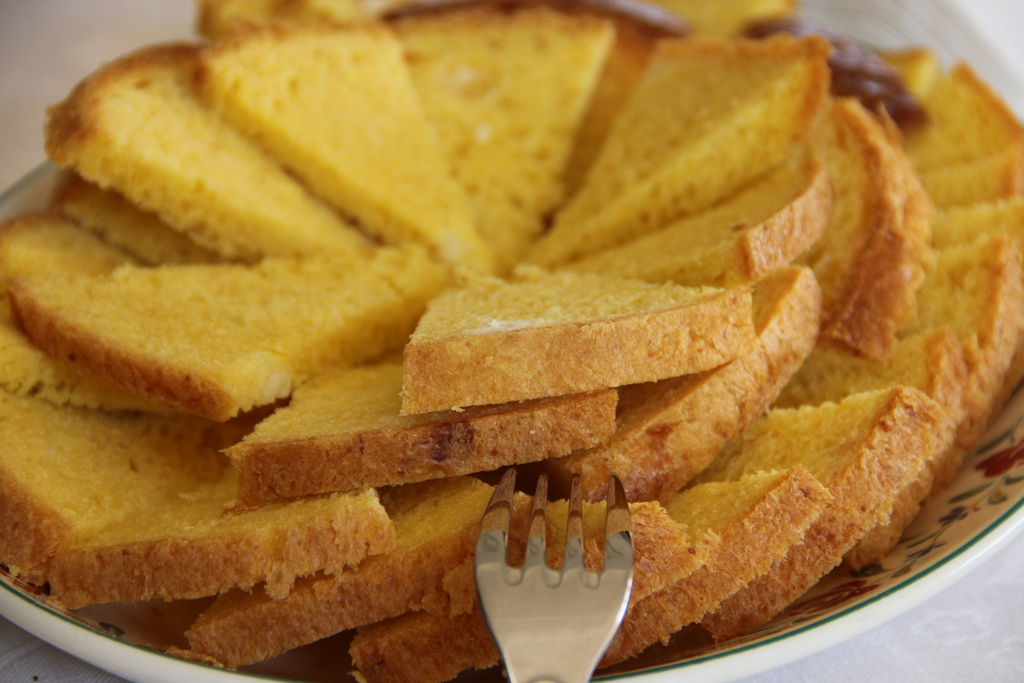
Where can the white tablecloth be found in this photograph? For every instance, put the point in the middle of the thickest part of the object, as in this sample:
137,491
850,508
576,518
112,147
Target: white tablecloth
972,631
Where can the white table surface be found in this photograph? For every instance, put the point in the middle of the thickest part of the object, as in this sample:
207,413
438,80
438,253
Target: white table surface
972,631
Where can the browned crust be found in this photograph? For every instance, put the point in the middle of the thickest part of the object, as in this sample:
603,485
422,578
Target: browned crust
477,440
747,548
32,531
183,568
578,357
89,353
877,292
891,457
990,359
436,647
423,647
787,233
241,628
670,430
73,123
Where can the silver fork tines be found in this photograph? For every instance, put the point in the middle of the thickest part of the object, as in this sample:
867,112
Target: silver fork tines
553,626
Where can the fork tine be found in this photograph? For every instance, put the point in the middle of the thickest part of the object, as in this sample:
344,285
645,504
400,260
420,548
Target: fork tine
492,543
618,527
574,527
536,546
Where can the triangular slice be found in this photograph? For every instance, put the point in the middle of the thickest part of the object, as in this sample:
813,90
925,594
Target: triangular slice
505,90
757,519
438,646
668,431
436,524
494,341
871,259
207,339
864,450
695,130
337,107
122,508
137,126
342,430
122,224
742,240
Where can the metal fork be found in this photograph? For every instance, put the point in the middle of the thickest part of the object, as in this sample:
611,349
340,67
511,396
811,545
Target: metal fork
553,626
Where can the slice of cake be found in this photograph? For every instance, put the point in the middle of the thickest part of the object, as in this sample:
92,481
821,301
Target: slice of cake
742,240
493,341
436,525
865,450
978,291
27,371
137,126
757,519
967,122
210,339
342,430
871,259
122,508
505,91
668,431
336,105
972,150
120,223
683,141
427,647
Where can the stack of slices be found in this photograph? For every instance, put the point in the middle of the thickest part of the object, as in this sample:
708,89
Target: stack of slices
304,289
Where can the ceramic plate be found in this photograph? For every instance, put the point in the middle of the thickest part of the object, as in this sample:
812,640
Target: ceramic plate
981,510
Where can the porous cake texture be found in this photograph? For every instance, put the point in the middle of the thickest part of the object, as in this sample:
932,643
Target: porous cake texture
435,528
343,430
493,341
742,240
685,139
505,91
336,106
123,508
668,431
210,339
138,126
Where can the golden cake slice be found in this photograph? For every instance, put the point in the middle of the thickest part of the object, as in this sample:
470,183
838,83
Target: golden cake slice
426,647
210,339
977,290
137,126
337,107
122,508
123,225
668,431
871,259
436,525
27,371
865,450
342,430
972,150
742,240
757,519
493,341
624,67
682,142
505,91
